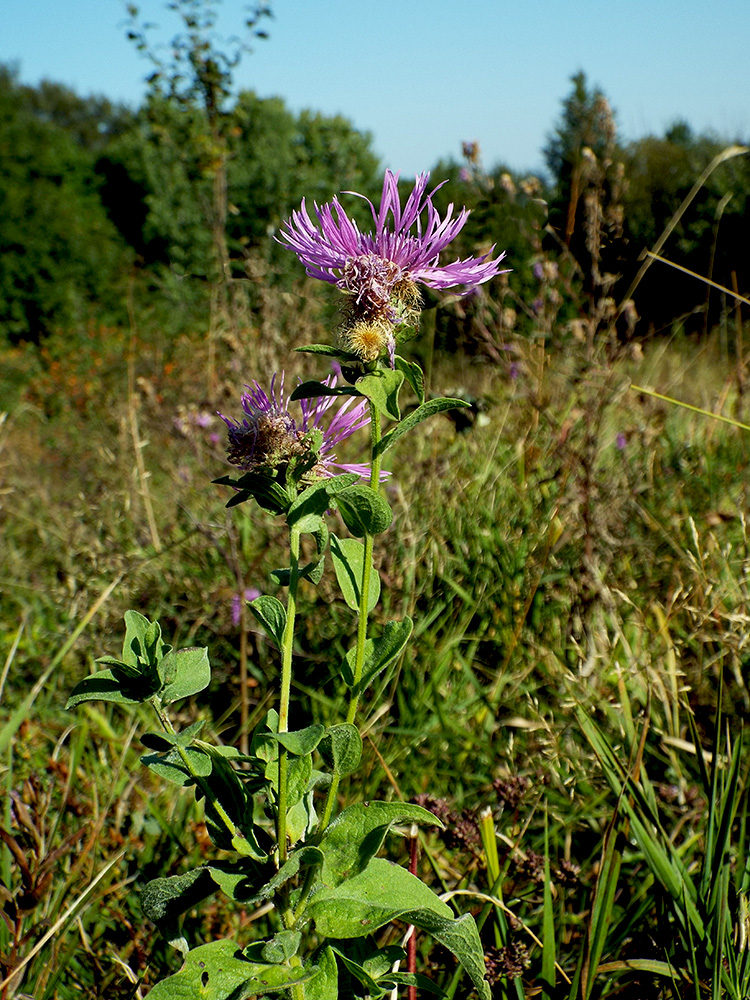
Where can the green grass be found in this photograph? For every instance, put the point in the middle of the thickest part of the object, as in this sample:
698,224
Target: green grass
575,605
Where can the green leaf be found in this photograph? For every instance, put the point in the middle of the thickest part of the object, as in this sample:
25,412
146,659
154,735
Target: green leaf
299,772
358,832
378,894
183,674
379,652
239,879
328,351
271,614
143,644
236,883
413,375
394,979
313,571
364,510
355,969
312,389
282,947
316,499
263,487
348,561
341,748
104,685
302,741
164,899
459,936
119,667
325,984
217,971
382,387
165,741
171,766
421,413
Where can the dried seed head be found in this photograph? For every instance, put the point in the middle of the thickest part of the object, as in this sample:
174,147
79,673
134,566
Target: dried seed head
369,340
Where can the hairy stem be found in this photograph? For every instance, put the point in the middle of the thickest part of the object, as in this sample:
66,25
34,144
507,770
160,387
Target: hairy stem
351,715
286,686
234,832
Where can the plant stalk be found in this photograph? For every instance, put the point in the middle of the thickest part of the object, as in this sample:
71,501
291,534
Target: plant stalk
286,686
359,662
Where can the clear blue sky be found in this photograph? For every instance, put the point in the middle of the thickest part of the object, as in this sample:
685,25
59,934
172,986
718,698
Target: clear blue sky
424,75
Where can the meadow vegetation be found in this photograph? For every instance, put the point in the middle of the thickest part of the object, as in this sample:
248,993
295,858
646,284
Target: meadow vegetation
573,549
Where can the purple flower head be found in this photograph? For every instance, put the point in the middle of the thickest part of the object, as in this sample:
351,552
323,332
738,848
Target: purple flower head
379,271
268,436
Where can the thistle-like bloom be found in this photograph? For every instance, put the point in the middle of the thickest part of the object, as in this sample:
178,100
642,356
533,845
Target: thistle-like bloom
380,271
268,436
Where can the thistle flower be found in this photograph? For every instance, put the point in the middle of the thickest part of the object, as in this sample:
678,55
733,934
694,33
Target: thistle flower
268,436
380,271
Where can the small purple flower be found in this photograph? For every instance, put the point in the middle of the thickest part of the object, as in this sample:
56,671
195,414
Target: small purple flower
380,271
249,594
621,441
269,436
538,270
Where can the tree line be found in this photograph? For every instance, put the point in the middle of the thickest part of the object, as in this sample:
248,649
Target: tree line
97,198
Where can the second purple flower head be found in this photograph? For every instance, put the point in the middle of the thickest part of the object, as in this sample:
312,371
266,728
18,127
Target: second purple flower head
380,271
268,437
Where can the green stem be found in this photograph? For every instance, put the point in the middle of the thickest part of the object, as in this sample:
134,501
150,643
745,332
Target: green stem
287,646
364,596
235,833
359,662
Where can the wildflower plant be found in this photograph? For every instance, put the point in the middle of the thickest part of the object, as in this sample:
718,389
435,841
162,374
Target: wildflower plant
274,813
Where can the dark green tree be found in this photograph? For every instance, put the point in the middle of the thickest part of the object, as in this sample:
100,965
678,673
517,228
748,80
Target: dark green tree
709,238
586,127
196,80
60,256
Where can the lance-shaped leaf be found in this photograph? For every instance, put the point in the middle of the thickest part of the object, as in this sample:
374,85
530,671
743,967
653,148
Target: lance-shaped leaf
358,832
271,614
240,884
384,892
107,685
301,741
348,557
217,971
165,741
172,765
325,984
413,375
164,899
316,499
331,352
313,389
380,893
379,653
421,413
